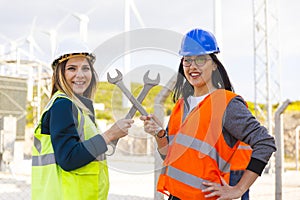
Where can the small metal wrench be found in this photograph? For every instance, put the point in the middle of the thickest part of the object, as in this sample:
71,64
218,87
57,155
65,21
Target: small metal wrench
148,85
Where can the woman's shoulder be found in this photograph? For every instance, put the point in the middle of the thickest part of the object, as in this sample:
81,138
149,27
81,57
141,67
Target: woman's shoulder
62,107
62,100
62,104
237,103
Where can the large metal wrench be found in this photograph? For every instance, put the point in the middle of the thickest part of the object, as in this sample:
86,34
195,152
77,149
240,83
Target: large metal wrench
148,85
118,80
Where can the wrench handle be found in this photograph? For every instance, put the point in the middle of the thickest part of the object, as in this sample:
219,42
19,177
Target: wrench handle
111,147
131,98
140,99
132,111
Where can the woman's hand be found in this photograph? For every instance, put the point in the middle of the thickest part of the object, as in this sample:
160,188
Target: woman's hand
117,130
223,192
151,124
154,127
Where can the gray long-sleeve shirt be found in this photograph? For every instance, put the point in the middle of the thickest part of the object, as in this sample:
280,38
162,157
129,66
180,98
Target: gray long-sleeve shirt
240,124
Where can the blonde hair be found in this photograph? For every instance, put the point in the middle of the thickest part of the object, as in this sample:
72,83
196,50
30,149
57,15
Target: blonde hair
59,83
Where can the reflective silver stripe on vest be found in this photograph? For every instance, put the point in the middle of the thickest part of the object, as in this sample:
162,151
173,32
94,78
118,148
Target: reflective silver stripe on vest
49,159
81,126
186,178
171,139
204,148
37,144
101,157
244,147
42,160
53,99
163,170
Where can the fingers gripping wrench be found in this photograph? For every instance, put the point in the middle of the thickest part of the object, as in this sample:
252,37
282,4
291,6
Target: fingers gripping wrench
148,85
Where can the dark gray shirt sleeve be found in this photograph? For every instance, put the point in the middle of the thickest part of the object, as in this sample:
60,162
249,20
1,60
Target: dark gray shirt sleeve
240,124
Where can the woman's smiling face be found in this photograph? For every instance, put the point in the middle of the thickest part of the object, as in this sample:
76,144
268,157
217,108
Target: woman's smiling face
78,74
198,71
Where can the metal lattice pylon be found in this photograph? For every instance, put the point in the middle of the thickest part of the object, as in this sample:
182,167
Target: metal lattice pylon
266,60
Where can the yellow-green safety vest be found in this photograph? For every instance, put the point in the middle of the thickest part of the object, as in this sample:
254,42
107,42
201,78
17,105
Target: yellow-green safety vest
50,181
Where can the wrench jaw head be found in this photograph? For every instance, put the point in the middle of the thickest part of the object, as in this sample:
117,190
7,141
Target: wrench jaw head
148,81
115,80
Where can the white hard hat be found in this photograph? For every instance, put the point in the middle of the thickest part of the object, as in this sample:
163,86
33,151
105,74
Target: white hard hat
69,48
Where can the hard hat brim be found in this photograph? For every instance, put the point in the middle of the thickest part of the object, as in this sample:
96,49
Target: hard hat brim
65,57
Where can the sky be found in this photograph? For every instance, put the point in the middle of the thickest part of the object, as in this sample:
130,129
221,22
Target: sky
163,24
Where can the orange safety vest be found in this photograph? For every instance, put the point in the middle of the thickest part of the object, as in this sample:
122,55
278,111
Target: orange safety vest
241,157
197,149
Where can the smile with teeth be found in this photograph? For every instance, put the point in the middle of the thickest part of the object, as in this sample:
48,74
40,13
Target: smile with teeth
79,82
195,74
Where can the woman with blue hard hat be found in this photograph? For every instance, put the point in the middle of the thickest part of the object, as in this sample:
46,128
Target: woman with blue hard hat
68,156
205,128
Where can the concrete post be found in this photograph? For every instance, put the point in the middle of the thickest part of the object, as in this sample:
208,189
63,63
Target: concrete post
280,149
8,138
159,112
297,146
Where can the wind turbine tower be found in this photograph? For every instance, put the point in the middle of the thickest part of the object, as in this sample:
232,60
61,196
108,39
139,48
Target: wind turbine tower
128,7
83,25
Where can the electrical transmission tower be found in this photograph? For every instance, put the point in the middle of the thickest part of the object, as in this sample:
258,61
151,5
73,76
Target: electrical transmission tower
266,60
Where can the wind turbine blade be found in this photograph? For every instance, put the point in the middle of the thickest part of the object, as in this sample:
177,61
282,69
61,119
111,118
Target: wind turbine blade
36,46
91,10
62,21
5,37
33,24
77,15
20,41
136,13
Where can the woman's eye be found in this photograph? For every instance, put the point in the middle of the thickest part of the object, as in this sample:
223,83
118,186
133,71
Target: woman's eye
85,68
71,68
200,59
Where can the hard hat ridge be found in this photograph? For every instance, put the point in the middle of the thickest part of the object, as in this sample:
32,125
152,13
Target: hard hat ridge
198,42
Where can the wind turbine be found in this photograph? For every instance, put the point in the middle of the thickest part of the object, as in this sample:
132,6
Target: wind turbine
30,41
83,25
83,21
12,48
2,50
52,33
131,5
27,40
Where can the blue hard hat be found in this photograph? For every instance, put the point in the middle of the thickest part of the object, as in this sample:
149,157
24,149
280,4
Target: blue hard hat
198,42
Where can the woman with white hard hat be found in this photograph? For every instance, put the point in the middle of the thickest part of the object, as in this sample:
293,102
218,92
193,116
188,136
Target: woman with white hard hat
206,126
68,158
